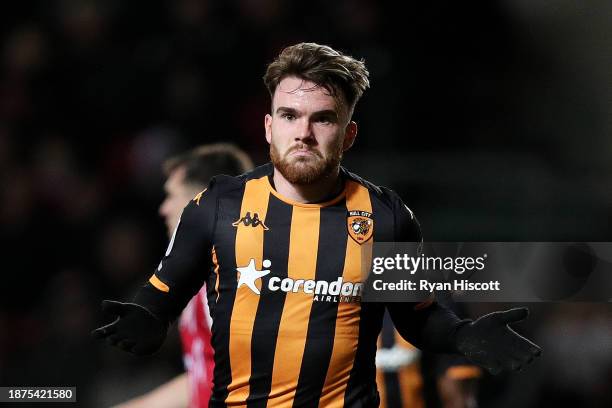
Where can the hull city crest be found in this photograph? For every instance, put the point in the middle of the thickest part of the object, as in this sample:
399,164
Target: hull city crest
360,225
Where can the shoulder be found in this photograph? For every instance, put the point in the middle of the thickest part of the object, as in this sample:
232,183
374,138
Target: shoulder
360,180
405,224
258,172
383,195
222,184
222,191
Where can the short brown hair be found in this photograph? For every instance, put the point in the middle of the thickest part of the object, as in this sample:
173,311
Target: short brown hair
322,65
206,161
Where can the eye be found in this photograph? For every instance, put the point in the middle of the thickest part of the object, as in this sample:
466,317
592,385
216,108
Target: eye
287,116
325,120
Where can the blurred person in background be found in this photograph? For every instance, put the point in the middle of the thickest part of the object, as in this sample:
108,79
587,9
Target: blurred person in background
409,378
187,175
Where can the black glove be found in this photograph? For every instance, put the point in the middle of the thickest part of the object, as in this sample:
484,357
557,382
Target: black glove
136,330
490,343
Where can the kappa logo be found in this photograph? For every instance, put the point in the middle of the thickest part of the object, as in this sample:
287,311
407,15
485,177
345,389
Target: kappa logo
360,225
321,290
247,221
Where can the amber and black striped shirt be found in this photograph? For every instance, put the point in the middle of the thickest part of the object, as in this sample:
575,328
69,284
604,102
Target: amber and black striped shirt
284,282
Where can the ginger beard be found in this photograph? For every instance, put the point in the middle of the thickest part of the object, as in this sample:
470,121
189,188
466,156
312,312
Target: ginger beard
304,170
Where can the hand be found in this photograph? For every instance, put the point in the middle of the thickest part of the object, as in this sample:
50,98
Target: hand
136,329
491,343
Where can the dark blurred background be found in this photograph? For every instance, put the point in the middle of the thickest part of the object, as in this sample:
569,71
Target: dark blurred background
492,119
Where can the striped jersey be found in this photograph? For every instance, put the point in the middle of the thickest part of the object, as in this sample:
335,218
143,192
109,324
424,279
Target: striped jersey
284,286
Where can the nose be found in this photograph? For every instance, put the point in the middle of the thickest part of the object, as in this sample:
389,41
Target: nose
304,133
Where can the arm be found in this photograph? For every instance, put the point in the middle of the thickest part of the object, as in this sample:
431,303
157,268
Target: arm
141,325
428,325
487,341
173,394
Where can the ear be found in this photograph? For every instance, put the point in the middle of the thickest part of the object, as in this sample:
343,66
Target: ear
350,133
268,127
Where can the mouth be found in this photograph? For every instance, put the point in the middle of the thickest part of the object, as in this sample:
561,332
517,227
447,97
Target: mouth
301,152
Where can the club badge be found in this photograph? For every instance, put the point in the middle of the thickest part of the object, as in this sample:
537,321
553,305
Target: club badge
360,225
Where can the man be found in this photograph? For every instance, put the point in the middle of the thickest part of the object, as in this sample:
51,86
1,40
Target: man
283,249
187,174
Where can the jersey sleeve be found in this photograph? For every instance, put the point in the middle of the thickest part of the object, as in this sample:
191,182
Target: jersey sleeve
427,325
407,228
187,262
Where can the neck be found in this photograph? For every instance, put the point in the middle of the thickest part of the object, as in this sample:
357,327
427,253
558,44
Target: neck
319,191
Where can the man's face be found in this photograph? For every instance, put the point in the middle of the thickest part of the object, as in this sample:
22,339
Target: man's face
308,131
177,197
